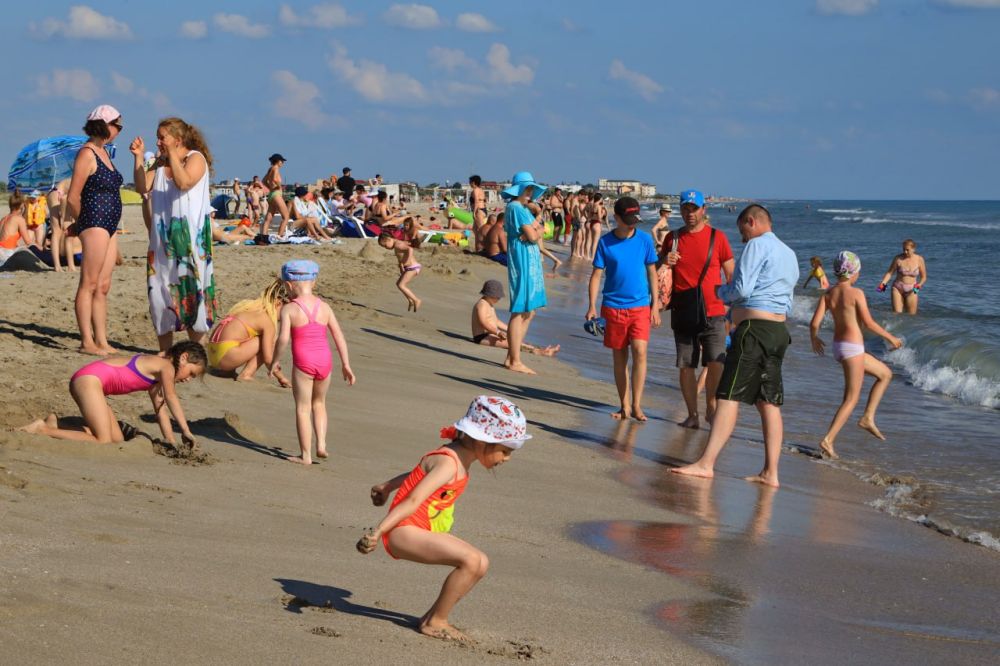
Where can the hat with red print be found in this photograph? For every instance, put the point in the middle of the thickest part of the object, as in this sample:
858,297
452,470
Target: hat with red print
495,420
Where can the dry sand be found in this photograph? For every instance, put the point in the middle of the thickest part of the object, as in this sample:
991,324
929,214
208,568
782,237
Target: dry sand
115,554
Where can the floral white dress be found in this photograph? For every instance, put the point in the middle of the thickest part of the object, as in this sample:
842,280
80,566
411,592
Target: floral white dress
179,271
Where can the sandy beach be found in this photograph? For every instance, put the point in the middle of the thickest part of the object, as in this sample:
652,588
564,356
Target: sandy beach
120,554
115,554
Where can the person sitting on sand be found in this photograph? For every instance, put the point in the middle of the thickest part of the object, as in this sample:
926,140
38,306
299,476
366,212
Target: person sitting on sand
817,274
421,514
626,259
307,216
487,329
14,227
409,268
234,236
411,231
245,336
495,241
305,320
120,375
849,308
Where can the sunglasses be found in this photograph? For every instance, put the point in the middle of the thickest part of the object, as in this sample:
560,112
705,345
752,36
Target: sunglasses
117,124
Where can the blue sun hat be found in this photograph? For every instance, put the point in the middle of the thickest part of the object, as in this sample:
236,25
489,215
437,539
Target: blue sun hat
519,182
299,270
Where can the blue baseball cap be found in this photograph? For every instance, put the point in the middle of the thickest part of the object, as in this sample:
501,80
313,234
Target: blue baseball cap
692,197
298,270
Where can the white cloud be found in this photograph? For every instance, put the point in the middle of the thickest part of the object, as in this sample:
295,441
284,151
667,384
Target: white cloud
413,16
297,100
983,98
971,4
84,23
240,25
194,29
78,84
845,7
570,26
373,80
641,84
502,71
450,59
326,15
474,23
125,86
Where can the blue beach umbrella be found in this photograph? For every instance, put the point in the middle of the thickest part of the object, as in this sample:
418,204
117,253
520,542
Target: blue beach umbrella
43,163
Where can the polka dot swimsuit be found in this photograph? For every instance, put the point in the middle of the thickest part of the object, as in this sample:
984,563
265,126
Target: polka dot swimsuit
101,201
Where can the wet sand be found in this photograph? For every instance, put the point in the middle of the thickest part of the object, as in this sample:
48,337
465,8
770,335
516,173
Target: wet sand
118,554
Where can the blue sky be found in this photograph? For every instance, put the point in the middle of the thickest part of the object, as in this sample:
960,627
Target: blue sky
812,99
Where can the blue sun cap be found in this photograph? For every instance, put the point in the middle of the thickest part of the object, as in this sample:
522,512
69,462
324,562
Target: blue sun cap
520,181
693,197
299,270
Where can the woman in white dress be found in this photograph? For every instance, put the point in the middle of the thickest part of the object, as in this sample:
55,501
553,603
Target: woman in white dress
179,270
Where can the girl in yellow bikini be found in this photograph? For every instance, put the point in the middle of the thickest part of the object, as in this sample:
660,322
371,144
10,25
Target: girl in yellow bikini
245,336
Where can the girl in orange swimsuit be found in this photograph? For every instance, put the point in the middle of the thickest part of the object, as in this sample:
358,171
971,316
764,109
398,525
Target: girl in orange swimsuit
13,227
421,515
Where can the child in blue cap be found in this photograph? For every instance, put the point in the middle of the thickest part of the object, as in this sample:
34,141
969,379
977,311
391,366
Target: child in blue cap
305,321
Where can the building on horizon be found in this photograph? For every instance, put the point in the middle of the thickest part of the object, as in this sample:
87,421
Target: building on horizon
624,186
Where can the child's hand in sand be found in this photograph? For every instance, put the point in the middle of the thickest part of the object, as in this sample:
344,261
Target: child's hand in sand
818,345
367,542
348,375
895,342
189,440
379,494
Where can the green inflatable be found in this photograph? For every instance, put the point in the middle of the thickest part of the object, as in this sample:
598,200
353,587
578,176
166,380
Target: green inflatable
463,216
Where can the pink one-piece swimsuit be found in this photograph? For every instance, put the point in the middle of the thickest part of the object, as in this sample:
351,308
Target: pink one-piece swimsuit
117,379
310,349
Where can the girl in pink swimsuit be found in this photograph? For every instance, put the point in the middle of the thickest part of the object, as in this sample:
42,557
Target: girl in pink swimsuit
157,375
305,321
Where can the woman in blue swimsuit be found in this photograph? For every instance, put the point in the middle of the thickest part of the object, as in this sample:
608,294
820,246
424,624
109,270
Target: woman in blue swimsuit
94,199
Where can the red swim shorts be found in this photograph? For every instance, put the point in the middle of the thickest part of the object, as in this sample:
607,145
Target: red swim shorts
625,325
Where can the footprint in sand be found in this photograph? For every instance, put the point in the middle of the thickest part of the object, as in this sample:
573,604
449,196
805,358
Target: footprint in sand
325,631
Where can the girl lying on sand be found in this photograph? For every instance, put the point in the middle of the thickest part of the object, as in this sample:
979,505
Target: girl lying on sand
420,517
849,309
119,375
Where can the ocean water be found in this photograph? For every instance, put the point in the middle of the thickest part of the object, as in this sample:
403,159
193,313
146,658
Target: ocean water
941,463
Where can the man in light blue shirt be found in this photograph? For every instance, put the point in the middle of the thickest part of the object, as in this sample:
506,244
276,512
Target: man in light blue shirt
761,297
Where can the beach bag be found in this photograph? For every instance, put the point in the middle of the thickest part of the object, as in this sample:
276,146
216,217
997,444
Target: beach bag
688,315
665,278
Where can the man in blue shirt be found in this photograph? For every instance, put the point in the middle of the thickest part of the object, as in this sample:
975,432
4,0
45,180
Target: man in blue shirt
761,297
626,258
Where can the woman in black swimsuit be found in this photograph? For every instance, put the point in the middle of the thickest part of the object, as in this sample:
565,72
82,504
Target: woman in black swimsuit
94,199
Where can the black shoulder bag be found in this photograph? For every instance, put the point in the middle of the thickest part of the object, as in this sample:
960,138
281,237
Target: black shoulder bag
687,307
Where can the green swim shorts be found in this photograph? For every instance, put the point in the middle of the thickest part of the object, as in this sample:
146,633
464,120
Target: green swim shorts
753,364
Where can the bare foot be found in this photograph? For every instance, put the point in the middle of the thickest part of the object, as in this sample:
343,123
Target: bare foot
244,378
443,631
409,306
34,427
690,422
767,480
92,350
694,470
520,367
826,449
52,421
284,383
300,460
621,415
416,304
108,350
639,415
869,425
551,350
321,453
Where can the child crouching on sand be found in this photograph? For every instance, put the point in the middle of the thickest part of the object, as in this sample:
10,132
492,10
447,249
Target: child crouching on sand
409,268
304,320
421,515
488,329
849,309
119,375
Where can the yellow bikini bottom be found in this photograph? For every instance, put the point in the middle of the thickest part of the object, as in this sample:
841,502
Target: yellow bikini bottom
217,350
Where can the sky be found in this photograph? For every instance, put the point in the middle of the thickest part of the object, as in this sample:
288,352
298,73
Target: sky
834,99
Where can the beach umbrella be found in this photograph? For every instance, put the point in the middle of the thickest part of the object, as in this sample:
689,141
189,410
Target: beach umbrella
43,163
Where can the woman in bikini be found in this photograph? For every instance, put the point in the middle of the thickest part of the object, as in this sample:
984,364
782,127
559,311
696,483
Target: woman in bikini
911,274
94,199
275,197
245,336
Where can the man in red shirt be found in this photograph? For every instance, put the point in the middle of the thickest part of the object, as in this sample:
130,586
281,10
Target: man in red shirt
707,344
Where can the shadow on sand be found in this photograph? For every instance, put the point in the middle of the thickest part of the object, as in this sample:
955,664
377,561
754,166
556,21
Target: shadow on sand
302,594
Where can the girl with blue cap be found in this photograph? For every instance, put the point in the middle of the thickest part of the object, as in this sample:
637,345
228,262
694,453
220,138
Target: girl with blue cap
304,321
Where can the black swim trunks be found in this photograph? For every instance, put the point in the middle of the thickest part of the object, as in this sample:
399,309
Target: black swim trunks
479,338
753,365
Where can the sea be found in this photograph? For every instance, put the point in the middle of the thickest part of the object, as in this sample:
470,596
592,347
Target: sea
940,465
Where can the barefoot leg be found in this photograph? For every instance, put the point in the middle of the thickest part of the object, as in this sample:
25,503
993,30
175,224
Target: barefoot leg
883,375
722,428
517,329
417,545
620,360
854,375
638,377
319,389
773,427
405,280
689,390
302,388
